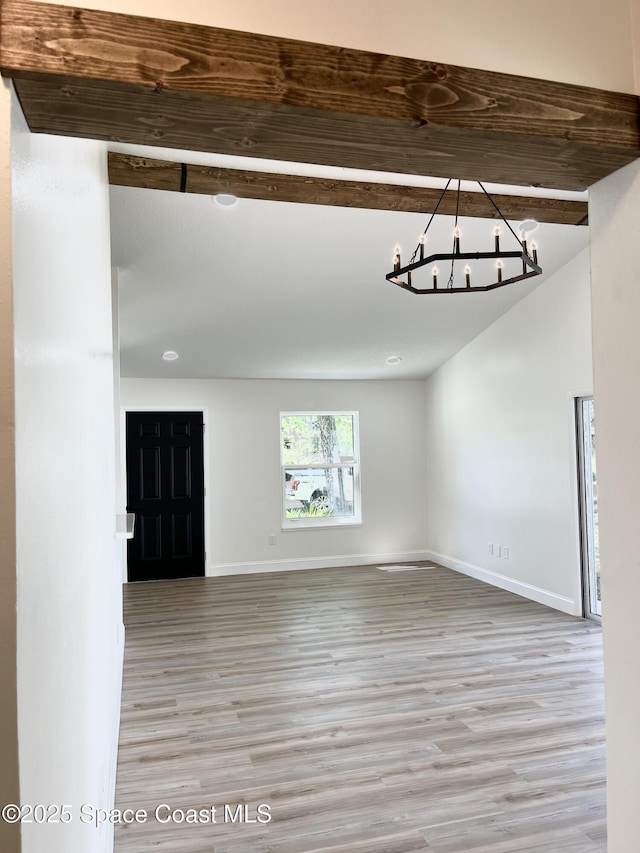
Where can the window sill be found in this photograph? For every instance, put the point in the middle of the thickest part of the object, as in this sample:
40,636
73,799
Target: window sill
304,524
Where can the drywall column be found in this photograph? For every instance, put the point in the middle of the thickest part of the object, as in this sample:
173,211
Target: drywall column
9,788
614,218
69,584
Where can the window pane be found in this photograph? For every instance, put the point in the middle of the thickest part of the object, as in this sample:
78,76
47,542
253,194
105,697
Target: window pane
318,492
314,439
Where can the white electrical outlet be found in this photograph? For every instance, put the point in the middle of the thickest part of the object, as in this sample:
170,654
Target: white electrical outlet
491,549
272,539
505,552
497,550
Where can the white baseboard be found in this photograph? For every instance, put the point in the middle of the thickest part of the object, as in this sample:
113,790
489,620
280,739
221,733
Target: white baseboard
526,590
314,563
533,593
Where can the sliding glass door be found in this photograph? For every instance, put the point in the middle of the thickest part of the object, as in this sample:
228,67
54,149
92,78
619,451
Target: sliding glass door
588,507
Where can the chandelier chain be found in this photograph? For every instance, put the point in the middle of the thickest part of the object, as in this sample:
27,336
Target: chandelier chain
424,233
500,214
455,231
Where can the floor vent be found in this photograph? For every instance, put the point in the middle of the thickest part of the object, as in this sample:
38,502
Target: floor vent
405,568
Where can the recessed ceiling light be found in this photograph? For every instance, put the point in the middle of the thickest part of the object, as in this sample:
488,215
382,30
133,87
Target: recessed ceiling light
394,359
170,355
225,199
528,226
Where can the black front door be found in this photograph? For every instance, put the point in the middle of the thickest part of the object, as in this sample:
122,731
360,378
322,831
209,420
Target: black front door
165,490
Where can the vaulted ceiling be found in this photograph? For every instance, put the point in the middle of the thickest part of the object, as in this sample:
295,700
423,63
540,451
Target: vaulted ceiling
271,289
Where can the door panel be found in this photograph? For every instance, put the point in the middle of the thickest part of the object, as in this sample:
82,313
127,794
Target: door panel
181,472
150,527
182,535
165,490
150,473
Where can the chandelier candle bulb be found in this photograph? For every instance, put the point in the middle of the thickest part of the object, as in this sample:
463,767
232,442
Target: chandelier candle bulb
499,266
421,241
496,234
467,275
456,240
434,273
534,249
396,258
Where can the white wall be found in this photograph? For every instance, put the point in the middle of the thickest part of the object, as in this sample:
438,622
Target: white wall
244,464
635,25
614,213
501,444
587,42
68,601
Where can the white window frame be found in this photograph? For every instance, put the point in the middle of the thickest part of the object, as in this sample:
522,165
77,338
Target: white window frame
355,520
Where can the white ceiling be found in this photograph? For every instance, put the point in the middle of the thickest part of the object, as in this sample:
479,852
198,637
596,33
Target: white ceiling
276,290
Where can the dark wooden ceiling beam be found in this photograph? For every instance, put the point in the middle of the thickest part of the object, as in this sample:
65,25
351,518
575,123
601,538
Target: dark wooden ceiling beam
121,77
130,171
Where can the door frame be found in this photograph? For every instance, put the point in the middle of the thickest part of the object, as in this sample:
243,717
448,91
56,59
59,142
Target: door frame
129,407
573,486
585,569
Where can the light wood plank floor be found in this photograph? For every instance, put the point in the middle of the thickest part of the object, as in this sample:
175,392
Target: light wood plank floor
373,712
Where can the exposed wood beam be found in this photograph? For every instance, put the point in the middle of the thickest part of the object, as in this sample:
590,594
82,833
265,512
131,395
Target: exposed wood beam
122,77
129,171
